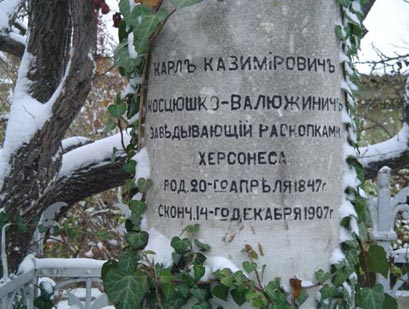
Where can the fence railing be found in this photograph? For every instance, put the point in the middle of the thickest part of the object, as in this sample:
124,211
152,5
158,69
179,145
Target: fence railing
77,281
384,211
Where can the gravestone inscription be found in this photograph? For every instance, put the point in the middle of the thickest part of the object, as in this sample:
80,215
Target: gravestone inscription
244,130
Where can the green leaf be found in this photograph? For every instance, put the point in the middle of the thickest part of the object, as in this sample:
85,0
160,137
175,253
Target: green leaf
249,267
239,296
274,292
144,23
192,228
144,184
137,208
202,247
42,228
129,167
137,240
390,302
344,3
376,259
199,293
372,298
201,305
339,31
221,291
117,110
302,297
111,264
110,125
328,292
178,4
183,290
199,271
128,261
125,290
322,276
227,281
125,10
22,226
180,245
127,65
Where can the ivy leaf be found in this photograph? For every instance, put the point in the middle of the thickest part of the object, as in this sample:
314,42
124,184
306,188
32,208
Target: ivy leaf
202,305
117,110
328,292
221,291
129,167
144,184
110,125
322,276
125,10
249,267
339,31
239,296
128,261
180,245
227,281
137,207
202,246
111,264
126,291
277,296
199,271
199,293
390,302
178,4
144,23
137,240
302,297
192,228
344,3
372,298
377,261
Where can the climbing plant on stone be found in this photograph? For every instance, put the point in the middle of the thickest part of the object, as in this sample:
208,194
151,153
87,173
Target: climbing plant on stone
157,271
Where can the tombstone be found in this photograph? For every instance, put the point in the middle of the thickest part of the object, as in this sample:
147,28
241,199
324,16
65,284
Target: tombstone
244,131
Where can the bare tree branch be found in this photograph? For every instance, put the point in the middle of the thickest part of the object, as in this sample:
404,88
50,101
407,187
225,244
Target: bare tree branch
13,47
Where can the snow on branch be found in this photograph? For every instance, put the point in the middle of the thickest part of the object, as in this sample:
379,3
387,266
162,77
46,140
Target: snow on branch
90,169
393,152
74,142
8,11
91,154
11,41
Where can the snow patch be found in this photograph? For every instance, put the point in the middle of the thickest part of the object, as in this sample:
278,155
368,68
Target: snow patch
337,256
97,152
143,165
386,150
160,244
7,8
131,47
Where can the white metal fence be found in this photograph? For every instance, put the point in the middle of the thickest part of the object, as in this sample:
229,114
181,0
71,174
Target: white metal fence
384,211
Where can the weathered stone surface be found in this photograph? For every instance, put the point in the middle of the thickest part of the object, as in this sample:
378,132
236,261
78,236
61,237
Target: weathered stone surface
244,130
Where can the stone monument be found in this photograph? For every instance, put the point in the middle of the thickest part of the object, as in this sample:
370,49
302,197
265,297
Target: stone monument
244,130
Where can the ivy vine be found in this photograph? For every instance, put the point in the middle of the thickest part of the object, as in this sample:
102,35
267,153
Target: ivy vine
136,281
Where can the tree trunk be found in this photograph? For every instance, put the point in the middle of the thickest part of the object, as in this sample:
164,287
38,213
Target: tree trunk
59,73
